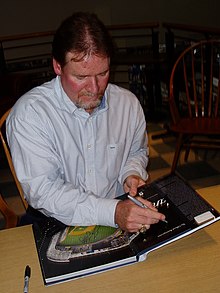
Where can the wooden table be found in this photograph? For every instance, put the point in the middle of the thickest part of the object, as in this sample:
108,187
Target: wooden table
191,264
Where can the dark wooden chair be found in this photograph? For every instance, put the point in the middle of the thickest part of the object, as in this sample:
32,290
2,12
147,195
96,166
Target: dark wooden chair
195,98
11,219
8,156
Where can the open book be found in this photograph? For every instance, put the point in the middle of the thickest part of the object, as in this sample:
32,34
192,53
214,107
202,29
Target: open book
75,252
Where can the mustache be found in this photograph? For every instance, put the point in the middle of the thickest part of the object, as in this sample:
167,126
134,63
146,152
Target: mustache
89,94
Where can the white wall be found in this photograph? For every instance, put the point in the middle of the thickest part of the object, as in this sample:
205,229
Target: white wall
24,16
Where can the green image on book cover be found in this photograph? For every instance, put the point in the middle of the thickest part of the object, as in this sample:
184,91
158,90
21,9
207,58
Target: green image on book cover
81,241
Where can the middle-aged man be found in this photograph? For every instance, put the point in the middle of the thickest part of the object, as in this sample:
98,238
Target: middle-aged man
77,142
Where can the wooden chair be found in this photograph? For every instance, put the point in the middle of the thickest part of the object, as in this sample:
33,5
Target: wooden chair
11,219
195,98
8,156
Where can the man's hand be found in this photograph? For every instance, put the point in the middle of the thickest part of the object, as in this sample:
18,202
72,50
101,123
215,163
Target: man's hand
130,217
132,183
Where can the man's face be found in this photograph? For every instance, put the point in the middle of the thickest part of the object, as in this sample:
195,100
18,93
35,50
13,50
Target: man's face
84,81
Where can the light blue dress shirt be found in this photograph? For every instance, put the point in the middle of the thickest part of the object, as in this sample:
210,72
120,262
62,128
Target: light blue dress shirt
71,164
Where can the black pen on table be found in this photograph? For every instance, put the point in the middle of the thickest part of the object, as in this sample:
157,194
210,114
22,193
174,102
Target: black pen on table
27,275
140,204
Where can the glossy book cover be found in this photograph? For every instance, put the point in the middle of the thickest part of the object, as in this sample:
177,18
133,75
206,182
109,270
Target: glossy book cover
78,251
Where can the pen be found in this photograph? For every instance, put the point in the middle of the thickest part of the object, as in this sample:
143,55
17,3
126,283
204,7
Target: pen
140,204
27,275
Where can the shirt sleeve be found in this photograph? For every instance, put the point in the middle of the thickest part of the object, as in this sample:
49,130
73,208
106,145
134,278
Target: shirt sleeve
39,170
137,160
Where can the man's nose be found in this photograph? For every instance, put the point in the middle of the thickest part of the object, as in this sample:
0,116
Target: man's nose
93,84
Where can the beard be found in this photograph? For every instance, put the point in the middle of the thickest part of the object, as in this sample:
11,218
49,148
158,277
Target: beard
89,105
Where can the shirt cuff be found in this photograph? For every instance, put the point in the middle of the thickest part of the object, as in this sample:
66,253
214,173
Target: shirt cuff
106,212
144,176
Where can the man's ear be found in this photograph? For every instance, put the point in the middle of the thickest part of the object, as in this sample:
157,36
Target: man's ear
56,67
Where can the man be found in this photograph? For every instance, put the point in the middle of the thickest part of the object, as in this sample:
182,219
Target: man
78,142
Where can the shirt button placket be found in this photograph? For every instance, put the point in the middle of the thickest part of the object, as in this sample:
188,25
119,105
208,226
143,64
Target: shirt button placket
90,156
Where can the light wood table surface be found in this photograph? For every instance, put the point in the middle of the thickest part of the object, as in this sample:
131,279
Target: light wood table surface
191,264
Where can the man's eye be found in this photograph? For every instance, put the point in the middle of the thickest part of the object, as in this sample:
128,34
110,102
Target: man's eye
80,77
104,73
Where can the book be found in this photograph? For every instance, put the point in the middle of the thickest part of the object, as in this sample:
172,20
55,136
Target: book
67,253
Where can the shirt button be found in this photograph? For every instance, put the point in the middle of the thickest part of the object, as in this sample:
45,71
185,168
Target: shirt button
89,146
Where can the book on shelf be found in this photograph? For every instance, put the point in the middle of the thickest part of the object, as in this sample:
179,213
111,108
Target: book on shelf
72,252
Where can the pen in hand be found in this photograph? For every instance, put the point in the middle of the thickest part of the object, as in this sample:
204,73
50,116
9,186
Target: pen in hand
27,275
140,204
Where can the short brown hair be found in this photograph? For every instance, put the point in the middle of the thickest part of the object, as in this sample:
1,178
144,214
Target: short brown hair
82,33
